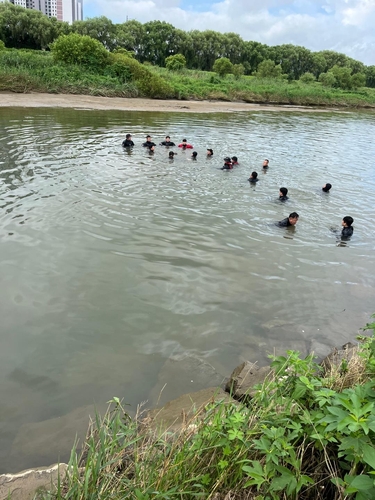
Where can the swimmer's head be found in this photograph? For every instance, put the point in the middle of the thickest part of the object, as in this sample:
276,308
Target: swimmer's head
347,221
210,152
234,158
283,191
171,154
326,187
265,163
128,136
293,218
194,154
254,175
227,159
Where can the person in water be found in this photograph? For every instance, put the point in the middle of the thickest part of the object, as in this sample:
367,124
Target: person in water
194,155
283,194
227,164
148,142
326,187
347,229
167,142
289,221
184,144
234,160
210,152
128,143
253,178
171,155
265,164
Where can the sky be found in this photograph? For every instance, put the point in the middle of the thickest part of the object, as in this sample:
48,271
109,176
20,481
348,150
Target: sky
342,25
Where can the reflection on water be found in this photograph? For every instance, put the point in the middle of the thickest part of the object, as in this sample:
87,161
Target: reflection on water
112,261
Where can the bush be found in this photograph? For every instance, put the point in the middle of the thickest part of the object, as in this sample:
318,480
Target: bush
2,45
327,79
80,49
268,69
358,80
238,71
175,63
307,78
223,66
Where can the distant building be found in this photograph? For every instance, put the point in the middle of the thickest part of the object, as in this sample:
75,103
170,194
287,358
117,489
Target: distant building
63,10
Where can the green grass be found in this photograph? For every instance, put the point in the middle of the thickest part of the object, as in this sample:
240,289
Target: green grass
190,84
36,71
307,434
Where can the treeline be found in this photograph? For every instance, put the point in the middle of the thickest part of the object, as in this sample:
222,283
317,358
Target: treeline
154,41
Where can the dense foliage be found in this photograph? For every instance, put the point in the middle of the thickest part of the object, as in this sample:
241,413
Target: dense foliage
307,434
155,41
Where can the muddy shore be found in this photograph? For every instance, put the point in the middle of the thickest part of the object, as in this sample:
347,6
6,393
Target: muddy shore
124,104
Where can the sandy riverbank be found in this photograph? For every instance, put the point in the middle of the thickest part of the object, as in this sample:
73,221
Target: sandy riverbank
123,104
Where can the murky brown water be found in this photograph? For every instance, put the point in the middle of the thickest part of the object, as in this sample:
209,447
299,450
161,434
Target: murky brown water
113,261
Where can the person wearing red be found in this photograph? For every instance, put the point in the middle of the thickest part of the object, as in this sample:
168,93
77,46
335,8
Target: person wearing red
185,145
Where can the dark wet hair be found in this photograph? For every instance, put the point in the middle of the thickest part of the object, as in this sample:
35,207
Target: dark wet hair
148,136
210,150
234,158
167,137
194,153
348,220
184,140
227,159
254,175
171,154
284,191
265,159
293,215
327,187
128,135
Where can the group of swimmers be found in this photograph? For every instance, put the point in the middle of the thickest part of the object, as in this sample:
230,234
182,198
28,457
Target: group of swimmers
229,163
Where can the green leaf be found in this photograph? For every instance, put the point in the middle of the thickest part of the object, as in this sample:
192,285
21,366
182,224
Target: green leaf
362,483
369,455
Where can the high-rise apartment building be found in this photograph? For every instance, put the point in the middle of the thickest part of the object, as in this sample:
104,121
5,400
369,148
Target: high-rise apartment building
63,10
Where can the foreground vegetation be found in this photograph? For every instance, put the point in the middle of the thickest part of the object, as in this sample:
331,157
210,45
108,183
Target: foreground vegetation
307,434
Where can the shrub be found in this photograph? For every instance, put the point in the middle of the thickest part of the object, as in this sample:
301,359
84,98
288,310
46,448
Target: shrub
2,45
307,78
327,79
175,63
223,66
358,80
80,49
238,71
268,69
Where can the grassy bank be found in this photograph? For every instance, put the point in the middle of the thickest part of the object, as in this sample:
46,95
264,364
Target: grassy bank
190,84
307,434
36,71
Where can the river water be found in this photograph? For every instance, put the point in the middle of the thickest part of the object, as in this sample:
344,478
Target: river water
113,261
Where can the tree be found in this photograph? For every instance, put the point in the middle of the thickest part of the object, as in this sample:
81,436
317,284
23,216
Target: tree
101,28
131,36
268,69
307,78
223,66
80,49
175,63
27,28
238,71
370,76
327,79
358,80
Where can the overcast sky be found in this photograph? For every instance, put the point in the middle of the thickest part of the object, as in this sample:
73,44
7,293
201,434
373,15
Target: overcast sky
342,25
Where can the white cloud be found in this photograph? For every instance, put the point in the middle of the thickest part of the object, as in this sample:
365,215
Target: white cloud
341,25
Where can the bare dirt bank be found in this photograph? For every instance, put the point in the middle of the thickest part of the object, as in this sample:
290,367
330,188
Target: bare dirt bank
117,103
